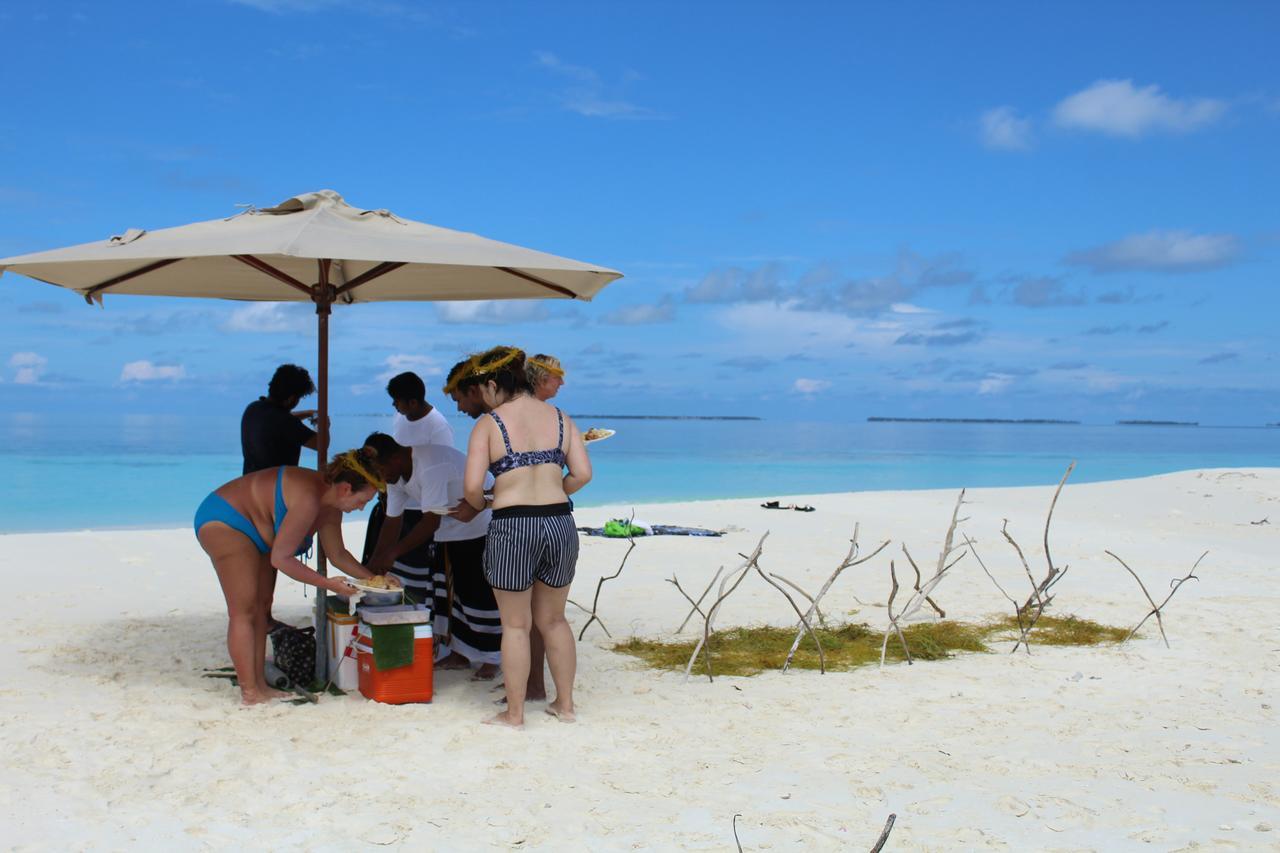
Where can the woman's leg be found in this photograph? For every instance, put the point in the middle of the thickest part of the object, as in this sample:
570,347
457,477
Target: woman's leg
238,565
261,623
517,618
562,653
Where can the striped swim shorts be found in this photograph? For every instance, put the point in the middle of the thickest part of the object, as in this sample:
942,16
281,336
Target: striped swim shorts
528,543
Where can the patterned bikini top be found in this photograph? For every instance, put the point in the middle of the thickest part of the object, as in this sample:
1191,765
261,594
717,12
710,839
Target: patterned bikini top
525,458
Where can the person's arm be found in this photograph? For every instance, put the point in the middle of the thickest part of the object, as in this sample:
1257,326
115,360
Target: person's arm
384,553
578,460
477,463
303,508
331,540
421,532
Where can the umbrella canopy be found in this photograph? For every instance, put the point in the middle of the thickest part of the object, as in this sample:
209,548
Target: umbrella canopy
270,255
312,248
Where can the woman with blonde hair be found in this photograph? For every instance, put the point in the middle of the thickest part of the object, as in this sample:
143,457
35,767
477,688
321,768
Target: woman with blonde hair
546,375
531,551
262,523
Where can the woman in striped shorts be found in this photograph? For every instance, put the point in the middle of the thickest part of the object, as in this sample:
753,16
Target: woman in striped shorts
532,546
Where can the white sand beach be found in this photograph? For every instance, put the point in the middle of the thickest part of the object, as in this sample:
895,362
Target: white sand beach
112,739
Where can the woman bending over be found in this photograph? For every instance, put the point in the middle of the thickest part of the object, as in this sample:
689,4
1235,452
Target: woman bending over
532,546
262,523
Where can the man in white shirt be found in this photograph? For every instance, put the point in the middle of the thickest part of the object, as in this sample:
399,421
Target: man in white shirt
429,478
417,422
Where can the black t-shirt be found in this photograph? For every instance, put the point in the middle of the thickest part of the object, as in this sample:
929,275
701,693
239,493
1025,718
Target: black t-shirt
270,436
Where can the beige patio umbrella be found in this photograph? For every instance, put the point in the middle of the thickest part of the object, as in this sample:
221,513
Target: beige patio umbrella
312,248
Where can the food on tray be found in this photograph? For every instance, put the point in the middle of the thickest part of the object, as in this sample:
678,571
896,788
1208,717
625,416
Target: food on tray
596,434
379,582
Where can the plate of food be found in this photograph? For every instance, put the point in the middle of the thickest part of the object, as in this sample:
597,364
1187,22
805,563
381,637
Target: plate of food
597,434
377,583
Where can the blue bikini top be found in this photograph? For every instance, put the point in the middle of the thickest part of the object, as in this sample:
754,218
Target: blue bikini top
525,458
282,511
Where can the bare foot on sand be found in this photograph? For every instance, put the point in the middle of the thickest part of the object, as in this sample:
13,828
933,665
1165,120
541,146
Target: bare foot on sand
504,719
486,672
561,714
261,697
453,661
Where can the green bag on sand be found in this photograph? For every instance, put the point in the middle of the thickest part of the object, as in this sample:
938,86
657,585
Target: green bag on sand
392,646
620,529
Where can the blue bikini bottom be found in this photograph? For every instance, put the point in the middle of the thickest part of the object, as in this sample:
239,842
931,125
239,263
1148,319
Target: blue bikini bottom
216,508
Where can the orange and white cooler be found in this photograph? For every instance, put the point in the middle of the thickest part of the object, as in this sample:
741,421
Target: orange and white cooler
404,684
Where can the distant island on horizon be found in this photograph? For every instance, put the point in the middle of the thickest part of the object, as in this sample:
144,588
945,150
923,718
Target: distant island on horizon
877,419
672,417
1159,423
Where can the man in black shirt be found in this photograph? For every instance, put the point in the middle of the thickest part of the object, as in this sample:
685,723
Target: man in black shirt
271,432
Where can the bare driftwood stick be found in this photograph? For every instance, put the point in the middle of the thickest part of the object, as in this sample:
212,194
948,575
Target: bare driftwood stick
1156,608
884,834
695,604
822,657
850,560
735,832
1017,611
696,609
1040,594
704,643
595,602
822,619
932,603
893,620
922,593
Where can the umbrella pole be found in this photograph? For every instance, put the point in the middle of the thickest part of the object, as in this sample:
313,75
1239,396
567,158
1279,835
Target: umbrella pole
323,297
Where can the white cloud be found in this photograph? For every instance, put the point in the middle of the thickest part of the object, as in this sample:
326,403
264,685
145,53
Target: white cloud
664,311
1160,251
27,367
401,362
496,312
1118,108
994,383
268,317
145,371
587,94
810,386
1004,129
908,308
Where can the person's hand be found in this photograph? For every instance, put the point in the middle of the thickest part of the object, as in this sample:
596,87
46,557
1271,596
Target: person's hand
464,511
380,564
305,413
341,587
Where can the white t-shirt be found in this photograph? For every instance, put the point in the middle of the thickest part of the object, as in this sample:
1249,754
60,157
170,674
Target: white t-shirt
436,481
433,428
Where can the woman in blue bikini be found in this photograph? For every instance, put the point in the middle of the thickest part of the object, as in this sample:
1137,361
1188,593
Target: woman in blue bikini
531,550
261,523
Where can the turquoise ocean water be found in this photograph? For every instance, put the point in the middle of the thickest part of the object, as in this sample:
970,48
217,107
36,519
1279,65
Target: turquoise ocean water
153,470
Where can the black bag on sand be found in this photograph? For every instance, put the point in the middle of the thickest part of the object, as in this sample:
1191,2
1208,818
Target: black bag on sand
295,653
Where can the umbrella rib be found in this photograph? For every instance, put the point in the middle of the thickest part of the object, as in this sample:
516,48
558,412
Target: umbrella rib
369,275
524,275
264,267
120,279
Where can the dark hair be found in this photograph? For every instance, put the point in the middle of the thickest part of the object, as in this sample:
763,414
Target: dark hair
407,386
290,380
357,468
504,366
465,382
383,446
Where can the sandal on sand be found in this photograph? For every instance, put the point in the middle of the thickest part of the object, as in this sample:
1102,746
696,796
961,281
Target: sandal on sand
773,505
803,508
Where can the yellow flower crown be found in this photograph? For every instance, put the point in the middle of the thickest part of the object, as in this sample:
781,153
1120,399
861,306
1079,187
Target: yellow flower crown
547,366
350,462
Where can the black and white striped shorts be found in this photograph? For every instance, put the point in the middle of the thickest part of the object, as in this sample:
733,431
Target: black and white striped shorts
528,543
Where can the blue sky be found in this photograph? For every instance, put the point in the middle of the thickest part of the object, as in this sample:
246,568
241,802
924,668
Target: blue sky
824,211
